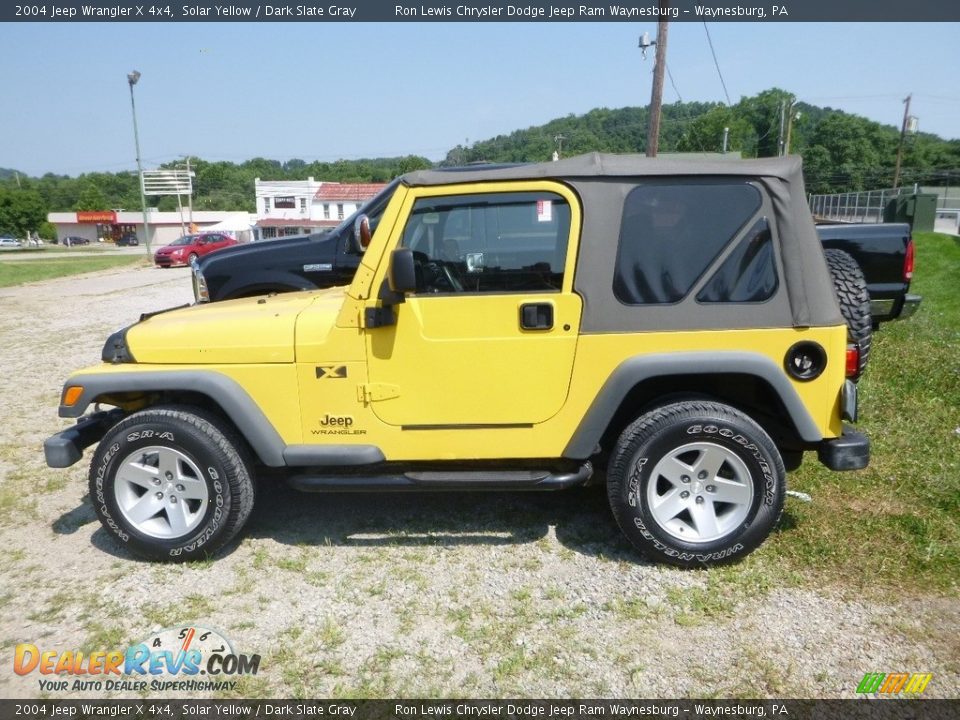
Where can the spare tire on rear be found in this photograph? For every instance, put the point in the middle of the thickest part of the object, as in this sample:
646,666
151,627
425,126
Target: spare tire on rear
850,288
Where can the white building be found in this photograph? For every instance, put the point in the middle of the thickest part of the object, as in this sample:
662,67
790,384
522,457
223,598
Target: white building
165,227
297,207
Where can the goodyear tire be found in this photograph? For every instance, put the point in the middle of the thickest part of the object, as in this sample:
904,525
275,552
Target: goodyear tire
172,483
696,483
850,287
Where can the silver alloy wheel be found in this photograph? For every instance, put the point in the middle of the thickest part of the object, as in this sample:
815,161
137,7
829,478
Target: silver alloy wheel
700,492
161,492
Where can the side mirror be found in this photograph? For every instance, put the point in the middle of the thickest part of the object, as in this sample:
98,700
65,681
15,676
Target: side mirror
361,233
403,273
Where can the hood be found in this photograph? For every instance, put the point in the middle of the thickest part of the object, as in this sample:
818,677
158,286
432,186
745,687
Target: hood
235,332
169,249
319,243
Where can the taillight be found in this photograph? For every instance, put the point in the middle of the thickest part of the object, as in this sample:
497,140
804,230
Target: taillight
908,261
853,360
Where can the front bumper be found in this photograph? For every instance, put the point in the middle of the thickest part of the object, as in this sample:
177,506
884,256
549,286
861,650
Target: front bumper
169,261
66,447
850,451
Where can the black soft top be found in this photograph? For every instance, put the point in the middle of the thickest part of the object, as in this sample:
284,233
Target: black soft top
603,181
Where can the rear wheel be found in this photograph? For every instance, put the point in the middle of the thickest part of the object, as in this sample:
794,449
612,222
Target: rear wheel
696,483
172,483
850,288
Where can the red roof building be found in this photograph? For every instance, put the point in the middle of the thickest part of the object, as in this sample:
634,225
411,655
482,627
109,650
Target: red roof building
297,207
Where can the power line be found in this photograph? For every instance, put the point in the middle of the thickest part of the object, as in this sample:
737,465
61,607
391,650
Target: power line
670,75
714,53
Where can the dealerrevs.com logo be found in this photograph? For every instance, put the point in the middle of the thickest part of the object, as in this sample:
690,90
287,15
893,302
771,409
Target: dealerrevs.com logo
894,684
187,658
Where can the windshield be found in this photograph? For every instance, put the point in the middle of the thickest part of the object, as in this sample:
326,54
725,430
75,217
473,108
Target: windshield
185,240
373,209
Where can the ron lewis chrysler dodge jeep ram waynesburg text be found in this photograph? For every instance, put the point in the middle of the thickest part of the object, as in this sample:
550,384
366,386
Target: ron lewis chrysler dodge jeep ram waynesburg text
668,327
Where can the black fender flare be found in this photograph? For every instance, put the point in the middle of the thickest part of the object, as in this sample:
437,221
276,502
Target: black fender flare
235,403
635,370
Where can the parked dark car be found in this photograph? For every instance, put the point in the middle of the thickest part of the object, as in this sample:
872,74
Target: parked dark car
72,240
188,248
128,239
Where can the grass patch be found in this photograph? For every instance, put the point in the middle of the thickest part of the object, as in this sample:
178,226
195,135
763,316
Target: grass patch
894,525
54,609
14,272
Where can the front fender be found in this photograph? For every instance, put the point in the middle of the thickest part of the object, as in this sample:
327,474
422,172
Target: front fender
233,400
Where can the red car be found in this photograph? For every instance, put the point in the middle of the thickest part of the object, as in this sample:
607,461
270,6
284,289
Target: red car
183,251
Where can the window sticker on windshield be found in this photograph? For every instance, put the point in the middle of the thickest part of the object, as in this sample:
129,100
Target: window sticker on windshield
544,210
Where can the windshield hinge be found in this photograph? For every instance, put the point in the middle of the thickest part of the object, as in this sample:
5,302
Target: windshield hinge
372,392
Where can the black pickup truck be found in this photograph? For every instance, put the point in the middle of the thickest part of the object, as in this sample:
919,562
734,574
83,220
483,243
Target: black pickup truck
882,252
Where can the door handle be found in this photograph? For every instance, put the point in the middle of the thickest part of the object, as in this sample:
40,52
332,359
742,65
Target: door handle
536,316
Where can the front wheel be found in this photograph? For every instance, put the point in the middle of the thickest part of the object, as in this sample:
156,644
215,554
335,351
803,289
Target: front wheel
696,483
172,483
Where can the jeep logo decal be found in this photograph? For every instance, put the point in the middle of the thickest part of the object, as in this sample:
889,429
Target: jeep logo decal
331,371
336,420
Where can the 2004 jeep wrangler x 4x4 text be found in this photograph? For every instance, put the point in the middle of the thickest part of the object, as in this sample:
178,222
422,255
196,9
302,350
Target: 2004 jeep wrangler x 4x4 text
667,326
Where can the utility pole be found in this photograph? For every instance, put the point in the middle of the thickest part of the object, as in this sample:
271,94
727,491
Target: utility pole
656,94
558,139
790,118
726,137
783,113
903,135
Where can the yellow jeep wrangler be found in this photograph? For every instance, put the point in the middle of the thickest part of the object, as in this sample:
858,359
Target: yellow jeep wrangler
667,327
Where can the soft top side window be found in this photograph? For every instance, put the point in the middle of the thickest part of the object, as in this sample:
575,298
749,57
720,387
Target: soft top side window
749,273
671,232
491,242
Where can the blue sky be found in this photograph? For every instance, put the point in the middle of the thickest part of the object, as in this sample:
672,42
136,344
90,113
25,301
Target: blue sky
233,91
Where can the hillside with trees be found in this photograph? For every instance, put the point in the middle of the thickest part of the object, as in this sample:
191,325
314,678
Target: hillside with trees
841,152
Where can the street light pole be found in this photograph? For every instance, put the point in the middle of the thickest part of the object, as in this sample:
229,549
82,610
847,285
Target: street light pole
132,79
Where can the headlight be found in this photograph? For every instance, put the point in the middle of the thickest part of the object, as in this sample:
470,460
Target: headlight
200,292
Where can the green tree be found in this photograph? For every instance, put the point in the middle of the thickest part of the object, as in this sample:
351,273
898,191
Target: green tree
21,211
763,113
705,132
91,199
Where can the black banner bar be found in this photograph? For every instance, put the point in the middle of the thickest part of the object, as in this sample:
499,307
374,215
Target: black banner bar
154,709
443,11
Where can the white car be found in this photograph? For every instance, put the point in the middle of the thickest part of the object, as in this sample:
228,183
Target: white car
7,241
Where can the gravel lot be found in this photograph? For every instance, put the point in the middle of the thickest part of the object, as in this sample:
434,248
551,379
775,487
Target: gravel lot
475,595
